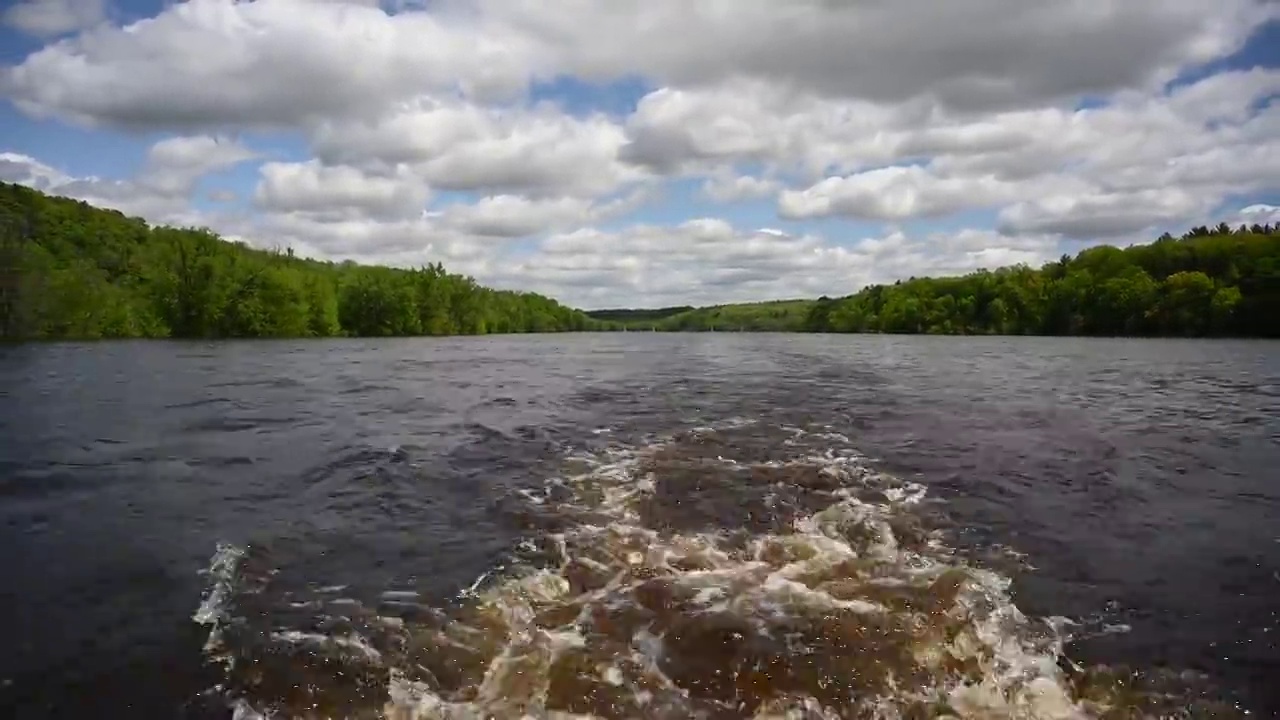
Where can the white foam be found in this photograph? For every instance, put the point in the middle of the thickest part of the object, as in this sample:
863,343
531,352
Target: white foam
769,583
222,568
353,643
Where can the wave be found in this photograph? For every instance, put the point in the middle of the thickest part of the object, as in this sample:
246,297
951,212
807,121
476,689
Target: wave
737,571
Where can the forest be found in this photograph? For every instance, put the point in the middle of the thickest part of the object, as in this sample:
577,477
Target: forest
70,270
1219,281
772,316
640,317
1210,282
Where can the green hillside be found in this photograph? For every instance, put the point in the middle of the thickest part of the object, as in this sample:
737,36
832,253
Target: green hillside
775,316
70,270
638,318
1210,282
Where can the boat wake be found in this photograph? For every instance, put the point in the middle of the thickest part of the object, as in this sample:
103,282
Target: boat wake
741,571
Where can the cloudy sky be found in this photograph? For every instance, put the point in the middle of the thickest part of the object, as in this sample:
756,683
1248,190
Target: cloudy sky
652,152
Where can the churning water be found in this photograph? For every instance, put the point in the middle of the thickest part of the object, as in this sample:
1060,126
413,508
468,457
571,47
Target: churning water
652,527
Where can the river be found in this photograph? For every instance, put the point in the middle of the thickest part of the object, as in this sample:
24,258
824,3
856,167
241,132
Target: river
641,525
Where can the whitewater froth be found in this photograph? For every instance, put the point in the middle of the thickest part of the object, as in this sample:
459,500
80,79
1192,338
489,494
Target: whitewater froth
693,577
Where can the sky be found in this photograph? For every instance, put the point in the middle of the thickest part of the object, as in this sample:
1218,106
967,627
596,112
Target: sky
627,153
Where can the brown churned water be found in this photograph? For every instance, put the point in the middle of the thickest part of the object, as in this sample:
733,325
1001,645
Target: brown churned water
745,570
645,525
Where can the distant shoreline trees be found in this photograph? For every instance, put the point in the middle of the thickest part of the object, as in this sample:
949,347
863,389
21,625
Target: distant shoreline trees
72,271
1210,282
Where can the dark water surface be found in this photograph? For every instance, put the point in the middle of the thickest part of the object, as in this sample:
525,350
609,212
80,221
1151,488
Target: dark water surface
652,526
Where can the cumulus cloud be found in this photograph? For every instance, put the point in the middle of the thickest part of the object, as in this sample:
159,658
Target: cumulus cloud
338,191
1102,215
462,146
426,141
981,54
892,193
209,63
47,18
174,165
677,130
1258,214
708,260
511,216
26,170
404,242
727,187
160,192
334,214
1102,172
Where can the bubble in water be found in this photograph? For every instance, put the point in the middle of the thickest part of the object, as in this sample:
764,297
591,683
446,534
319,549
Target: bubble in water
722,573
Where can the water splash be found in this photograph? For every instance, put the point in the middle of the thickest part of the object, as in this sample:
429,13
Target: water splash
730,572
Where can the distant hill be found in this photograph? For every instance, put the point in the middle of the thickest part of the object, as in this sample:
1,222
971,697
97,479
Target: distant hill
70,270
637,316
1219,281
772,316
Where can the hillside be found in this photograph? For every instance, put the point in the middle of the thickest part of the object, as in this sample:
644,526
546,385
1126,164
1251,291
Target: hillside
638,318
1210,282
70,270
774,316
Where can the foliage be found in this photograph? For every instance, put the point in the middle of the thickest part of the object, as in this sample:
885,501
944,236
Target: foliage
68,270
776,316
638,318
1211,282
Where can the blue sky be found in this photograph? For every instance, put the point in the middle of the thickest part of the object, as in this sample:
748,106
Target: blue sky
634,152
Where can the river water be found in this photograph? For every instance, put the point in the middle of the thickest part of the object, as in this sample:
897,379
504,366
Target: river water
641,525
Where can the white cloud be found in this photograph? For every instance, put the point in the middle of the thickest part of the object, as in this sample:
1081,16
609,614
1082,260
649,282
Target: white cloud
511,216
893,193
673,129
727,187
707,261
280,62
47,18
160,192
400,242
978,54
462,146
338,191
689,130
1100,172
812,107
174,165
206,63
26,170
1258,214
1102,215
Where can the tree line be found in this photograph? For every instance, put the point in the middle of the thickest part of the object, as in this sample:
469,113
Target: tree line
1210,282
1219,281
70,270
773,316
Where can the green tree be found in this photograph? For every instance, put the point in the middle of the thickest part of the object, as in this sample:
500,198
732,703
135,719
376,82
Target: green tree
70,270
